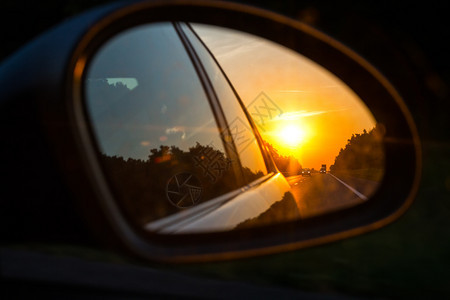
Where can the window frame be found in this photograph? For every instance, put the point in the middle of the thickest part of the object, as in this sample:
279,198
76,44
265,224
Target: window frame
268,160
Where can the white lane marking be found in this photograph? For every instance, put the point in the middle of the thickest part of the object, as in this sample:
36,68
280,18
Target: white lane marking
363,197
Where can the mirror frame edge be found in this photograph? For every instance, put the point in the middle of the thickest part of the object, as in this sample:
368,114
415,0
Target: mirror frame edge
160,250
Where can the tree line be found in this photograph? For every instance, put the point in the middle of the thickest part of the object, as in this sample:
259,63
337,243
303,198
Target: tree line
286,164
362,151
142,185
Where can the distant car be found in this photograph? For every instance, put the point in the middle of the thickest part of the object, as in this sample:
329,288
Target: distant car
323,171
306,172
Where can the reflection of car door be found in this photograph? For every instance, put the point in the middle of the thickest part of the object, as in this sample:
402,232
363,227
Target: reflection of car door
180,136
159,140
242,141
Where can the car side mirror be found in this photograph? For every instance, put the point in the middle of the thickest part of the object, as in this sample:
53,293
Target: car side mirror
183,153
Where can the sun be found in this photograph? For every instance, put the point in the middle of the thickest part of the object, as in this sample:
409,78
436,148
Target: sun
291,135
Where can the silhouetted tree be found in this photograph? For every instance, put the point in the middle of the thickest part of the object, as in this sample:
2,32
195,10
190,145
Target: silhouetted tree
363,151
140,186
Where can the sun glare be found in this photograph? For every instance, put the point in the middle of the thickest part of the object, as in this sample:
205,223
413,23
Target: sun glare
291,135
319,111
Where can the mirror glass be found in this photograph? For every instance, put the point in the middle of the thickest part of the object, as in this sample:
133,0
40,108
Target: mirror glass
203,129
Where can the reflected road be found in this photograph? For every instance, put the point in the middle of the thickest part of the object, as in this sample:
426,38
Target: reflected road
321,193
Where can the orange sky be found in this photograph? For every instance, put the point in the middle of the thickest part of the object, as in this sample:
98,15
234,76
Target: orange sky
320,111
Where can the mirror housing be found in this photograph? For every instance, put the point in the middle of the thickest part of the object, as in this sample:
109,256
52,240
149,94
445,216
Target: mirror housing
58,96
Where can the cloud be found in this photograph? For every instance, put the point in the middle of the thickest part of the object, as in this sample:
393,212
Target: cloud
295,115
228,44
292,91
235,50
175,130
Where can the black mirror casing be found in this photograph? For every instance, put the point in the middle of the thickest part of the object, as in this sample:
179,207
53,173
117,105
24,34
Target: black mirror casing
33,85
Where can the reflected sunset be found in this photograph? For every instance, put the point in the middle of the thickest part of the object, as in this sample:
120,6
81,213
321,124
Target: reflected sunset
173,135
299,107
290,135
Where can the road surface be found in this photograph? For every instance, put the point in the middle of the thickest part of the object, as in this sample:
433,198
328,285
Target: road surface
322,193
